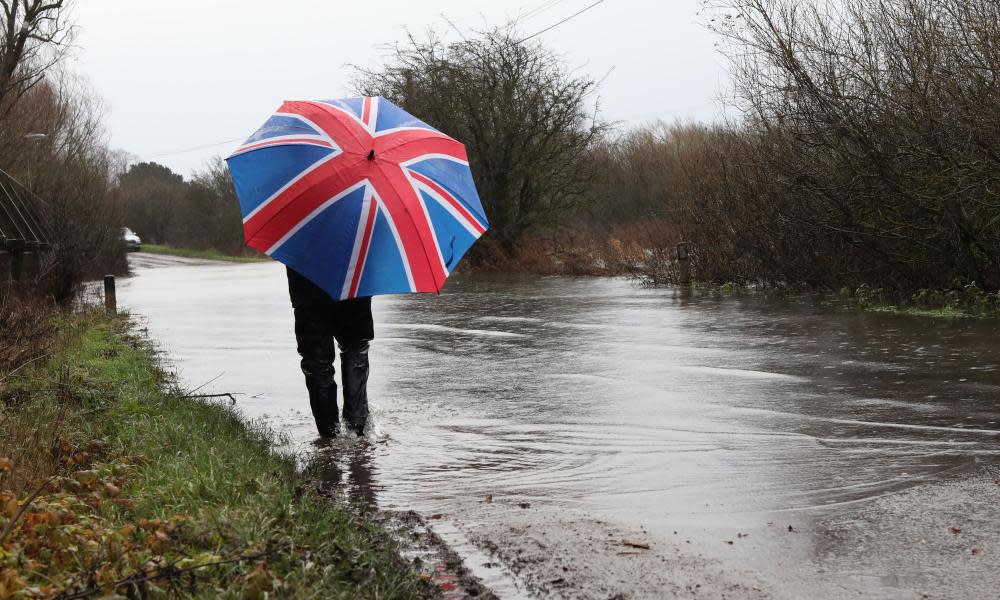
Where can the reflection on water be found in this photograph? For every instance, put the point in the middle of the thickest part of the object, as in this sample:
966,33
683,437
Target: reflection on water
343,467
644,405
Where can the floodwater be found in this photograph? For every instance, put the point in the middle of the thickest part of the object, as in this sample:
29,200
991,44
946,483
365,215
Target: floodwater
644,407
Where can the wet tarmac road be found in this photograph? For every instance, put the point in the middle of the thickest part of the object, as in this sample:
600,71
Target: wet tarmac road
644,408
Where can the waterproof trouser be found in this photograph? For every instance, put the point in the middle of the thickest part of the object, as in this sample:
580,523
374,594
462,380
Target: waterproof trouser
319,324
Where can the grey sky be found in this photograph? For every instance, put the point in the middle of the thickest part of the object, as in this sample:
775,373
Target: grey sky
178,74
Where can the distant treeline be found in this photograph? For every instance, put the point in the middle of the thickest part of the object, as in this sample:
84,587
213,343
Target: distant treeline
866,153
163,208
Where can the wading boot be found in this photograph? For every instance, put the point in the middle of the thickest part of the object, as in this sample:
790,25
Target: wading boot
322,399
354,376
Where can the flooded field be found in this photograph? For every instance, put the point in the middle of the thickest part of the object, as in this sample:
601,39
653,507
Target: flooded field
686,420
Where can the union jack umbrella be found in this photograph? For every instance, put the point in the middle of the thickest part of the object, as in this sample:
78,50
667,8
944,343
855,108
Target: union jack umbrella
358,196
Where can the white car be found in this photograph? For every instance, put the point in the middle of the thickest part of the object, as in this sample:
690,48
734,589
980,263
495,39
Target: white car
132,242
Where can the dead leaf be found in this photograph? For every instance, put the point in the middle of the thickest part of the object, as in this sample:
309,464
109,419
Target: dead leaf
955,530
6,465
489,499
436,516
635,544
85,477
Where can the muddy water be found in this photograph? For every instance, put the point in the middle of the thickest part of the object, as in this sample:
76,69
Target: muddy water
643,407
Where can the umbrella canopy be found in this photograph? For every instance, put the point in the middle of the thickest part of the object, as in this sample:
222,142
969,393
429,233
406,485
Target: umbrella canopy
358,196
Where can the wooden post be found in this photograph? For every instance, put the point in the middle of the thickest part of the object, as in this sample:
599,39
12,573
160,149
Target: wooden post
683,264
16,264
110,299
6,264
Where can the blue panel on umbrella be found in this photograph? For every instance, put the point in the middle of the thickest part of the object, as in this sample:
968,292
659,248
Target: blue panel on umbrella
278,126
356,106
320,246
456,179
258,174
384,272
321,249
391,116
453,239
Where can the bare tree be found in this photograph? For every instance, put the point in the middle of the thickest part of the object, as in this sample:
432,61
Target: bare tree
72,175
527,120
32,34
212,197
876,125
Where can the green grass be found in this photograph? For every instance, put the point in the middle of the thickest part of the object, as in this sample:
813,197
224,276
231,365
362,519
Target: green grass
963,300
240,503
203,254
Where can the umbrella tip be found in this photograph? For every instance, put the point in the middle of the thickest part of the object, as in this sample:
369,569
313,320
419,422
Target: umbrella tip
371,155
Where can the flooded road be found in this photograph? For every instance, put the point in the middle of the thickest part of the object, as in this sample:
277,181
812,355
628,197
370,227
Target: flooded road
742,431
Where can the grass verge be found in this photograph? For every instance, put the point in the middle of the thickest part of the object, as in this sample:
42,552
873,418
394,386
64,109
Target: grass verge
963,300
203,254
116,485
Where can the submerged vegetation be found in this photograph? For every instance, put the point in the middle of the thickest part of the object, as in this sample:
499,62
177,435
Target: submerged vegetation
113,482
961,300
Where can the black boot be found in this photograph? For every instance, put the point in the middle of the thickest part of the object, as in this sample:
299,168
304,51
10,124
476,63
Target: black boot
354,376
322,397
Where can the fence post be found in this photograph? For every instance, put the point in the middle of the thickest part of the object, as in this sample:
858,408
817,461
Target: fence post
110,299
6,264
683,264
16,264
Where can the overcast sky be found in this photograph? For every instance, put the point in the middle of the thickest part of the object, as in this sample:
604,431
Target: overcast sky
184,74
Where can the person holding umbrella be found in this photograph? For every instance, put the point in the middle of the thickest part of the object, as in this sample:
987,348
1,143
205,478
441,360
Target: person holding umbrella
319,322
357,198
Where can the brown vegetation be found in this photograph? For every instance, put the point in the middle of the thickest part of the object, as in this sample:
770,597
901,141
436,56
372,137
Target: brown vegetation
25,332
52,139
869,151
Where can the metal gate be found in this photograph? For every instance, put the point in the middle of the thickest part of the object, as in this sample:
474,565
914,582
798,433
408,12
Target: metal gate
23,237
